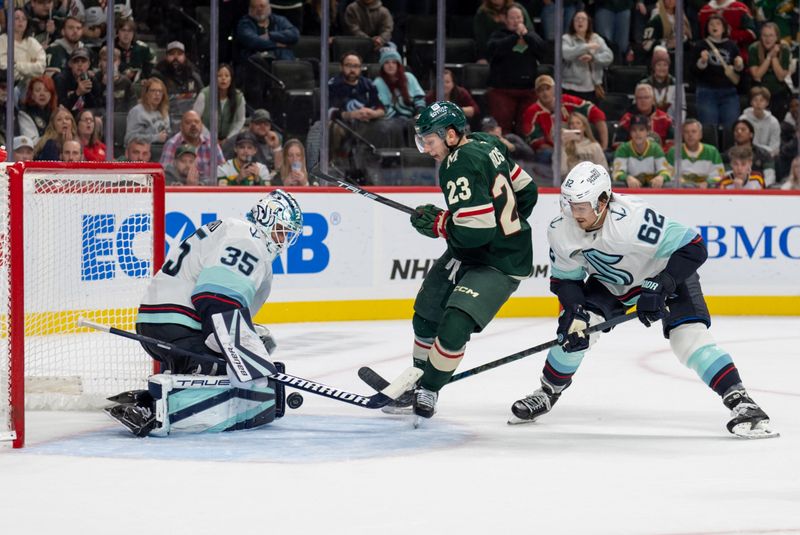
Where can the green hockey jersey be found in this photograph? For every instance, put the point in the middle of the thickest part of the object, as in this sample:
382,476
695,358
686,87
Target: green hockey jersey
490,198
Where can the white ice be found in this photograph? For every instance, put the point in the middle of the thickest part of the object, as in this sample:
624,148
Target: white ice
636,446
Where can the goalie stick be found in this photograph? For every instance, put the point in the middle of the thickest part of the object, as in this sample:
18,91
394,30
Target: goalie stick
377,382
361,191
392,391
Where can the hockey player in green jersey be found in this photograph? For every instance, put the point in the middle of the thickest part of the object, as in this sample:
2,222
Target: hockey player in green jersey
489,250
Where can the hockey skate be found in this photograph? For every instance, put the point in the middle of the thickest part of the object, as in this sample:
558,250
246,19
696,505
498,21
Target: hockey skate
748,420
530,407
402,405
136,419
424,404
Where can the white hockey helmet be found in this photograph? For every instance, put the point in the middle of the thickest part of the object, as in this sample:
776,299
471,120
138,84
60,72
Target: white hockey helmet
279,218
586,182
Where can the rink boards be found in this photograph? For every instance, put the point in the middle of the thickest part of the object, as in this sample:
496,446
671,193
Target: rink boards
359,259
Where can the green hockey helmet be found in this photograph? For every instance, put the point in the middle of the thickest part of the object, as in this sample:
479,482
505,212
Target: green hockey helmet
436,119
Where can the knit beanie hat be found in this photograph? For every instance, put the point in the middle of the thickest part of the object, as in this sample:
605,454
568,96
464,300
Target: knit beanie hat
389,53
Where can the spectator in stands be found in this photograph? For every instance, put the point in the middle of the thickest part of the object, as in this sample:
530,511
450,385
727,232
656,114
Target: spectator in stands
701,163
368,18
456,94
663,83
640,162
23,149
792,182
585,58
538,119
90,132
517,147
312,18
179,74
742,175
547,16
789,142
124,95
263,31
513,53
769,59
579,144
490,17
738,19
354,99
660,29
71,151
136,58
183,169
29,57
398,90
716,64
76,86
94,28
645,104
762,162
293,170
242,170
613,21
767,128
39,103
783,13
193,133
231,109
269,150
150,118
137,149
61,128
42,15
60,52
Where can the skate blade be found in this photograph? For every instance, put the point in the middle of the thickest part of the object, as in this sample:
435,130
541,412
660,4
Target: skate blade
759,431
393,409
513,420
418,421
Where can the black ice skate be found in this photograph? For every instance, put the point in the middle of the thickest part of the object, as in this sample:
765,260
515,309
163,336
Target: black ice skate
402,405
136,419
424,404
540,402
748,420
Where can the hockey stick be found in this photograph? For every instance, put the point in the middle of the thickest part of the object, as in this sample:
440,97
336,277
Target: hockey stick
361,191
393,390
374,380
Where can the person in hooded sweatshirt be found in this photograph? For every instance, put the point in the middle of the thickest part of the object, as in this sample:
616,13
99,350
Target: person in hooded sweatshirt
767,127
368,18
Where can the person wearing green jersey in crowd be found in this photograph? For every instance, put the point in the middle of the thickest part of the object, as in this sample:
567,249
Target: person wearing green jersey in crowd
488,199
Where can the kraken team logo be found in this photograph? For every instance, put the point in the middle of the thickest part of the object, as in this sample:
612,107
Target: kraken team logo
604,264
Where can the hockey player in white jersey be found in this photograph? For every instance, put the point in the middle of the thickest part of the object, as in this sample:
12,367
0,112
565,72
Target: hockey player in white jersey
223,266
610,251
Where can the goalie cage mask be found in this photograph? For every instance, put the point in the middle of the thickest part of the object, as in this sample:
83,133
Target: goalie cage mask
279,219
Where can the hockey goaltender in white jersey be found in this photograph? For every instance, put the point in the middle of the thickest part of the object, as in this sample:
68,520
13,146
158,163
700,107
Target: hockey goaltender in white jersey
610,251
224,268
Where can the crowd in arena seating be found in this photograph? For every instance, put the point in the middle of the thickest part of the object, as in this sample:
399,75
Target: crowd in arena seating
738,101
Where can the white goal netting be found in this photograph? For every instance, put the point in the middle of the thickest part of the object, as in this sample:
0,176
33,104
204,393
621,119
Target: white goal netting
87,242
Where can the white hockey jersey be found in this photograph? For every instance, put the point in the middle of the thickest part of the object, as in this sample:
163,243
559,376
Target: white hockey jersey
634,243
223,260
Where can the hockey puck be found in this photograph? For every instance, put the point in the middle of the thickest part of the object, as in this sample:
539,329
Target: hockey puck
294,400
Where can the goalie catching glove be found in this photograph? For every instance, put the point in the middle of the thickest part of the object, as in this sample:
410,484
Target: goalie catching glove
431,221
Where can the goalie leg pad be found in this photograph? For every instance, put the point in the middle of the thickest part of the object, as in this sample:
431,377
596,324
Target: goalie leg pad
209,404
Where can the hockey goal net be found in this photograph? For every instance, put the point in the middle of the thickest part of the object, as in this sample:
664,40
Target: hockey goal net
76,239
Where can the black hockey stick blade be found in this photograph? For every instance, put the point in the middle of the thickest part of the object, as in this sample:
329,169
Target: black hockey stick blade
395,389
375,381
361,191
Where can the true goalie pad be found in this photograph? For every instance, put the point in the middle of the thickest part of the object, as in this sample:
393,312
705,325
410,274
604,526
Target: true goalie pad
243,349
210,404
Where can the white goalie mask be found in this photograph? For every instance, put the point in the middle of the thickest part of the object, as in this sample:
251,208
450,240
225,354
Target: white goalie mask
279,219
586,182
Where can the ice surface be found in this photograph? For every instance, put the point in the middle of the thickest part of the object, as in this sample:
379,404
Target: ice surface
636,446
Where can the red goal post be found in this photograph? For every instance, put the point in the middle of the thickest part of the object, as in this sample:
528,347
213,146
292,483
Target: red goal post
76,239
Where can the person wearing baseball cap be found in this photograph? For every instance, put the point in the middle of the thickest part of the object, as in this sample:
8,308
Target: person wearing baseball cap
23,149
640,162
269,149
76,87
180,75
242,170
183,169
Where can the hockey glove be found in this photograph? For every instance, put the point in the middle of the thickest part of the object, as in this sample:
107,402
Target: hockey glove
571,323
431,221
651,305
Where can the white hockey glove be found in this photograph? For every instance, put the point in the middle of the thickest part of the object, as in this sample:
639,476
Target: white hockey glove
266,338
